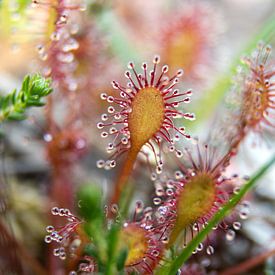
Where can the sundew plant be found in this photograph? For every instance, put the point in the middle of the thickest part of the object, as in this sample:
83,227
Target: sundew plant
137,137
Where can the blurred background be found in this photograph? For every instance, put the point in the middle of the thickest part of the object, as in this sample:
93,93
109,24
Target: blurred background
83,46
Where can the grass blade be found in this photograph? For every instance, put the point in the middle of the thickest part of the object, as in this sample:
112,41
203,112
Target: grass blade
173,267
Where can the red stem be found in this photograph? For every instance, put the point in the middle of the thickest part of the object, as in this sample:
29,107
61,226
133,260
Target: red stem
124,175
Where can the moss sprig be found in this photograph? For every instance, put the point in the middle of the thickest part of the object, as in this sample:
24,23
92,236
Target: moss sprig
13,106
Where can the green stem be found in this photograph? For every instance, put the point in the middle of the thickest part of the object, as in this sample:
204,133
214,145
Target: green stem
112,249
172,268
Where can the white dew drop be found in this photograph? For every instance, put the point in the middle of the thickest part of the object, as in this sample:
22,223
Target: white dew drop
65,57
48,239
237,225
40,49
195,227
124,140
169,192
103,96
157,201
139,207
104,134
56,252
100,125
230,235
55,211
100,163
153,176
112,163
210,250
178,175
163,210
55,36
158,170
179,154
63,18
48,137
165,239
49,228
70,45
111,109
243,215
155,253
200,247
236,190
62,256
159,191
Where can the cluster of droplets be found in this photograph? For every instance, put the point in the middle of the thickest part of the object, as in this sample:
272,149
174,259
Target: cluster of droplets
59,53
115,122
156,225
144,220
258,89
251,100
63,234
241,213
87,265
167,192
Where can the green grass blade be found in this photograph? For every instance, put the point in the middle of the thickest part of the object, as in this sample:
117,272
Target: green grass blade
172,268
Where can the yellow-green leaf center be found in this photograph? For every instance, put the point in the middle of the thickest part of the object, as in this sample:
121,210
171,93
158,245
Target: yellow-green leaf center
196,200
135,240
146,117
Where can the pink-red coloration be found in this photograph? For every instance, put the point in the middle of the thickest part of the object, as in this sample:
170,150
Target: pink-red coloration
65,236
59,53
66,146
196,193
144,113
145,238
256,111
188,39
259,94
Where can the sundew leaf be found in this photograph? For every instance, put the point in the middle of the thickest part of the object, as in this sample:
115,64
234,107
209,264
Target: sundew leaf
120,44
213,96
177,263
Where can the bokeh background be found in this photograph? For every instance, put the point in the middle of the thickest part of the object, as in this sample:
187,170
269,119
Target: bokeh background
46,157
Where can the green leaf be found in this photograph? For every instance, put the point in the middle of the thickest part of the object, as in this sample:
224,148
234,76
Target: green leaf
91,250
33,89
89,197
16,116
113,239
172,268
121,259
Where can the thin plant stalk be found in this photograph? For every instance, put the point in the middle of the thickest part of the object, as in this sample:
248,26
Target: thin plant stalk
173,267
